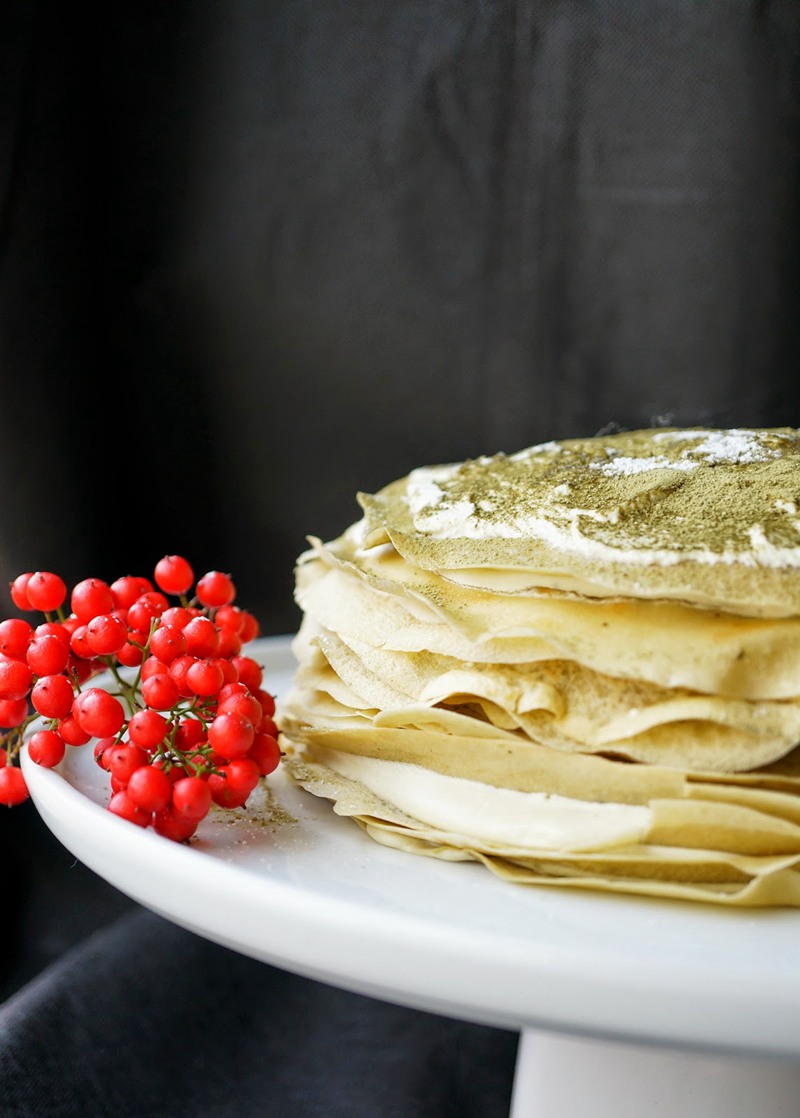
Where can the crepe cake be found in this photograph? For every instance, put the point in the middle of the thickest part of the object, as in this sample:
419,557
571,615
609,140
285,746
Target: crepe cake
578,664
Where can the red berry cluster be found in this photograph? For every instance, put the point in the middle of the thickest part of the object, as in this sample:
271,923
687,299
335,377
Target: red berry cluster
185,721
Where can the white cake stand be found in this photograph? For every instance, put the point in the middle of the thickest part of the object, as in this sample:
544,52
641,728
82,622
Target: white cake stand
626,1006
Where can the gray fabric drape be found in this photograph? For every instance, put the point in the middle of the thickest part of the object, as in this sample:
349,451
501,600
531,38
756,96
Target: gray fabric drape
294,249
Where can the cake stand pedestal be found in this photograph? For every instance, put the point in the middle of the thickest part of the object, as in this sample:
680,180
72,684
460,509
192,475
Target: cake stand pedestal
573,1077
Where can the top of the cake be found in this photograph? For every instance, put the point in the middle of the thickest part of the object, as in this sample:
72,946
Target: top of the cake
711,516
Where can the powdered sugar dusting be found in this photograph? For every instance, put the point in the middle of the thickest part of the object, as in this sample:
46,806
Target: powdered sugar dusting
737,446
625,465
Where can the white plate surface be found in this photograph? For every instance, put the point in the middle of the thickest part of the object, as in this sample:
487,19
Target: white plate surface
288,882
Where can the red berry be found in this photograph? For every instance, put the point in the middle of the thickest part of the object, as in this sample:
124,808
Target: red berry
215,589
266,752
46,748
250,671
52,696
178,669
173,826
98,713
128,588
13,789
223,794
146,609
45,591
191,797
102,749
122,805
72,732
130,655
230,617
243,775
79,645
89,598
233,688
267,701
15,679
173,574
58,629
167,642
81,669
147,728
229,671
47,654
202,637
189,733
106,634
250,628
153,666
177,616
229,644
244,703
19,591
13,712
15,636
160,691
230,735
123,760
150,788
204,677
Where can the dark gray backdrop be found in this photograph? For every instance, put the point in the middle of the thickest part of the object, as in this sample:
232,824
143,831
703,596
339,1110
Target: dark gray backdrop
292,249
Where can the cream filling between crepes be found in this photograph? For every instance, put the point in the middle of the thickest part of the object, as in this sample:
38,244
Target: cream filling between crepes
501,817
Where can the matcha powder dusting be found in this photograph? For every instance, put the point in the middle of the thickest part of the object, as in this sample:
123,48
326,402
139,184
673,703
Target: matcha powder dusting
734,493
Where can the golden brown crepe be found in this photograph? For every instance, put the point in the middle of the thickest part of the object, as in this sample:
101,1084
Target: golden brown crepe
578,665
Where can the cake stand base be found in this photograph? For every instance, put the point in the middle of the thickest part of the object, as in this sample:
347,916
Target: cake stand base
569,1077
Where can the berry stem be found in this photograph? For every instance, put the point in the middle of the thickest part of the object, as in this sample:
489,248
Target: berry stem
129,692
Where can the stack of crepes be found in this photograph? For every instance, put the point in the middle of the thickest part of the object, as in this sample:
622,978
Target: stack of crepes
578,664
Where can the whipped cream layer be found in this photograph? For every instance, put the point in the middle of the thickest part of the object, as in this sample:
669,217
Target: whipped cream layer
501,817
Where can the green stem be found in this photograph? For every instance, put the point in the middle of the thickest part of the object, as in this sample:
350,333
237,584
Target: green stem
129,692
